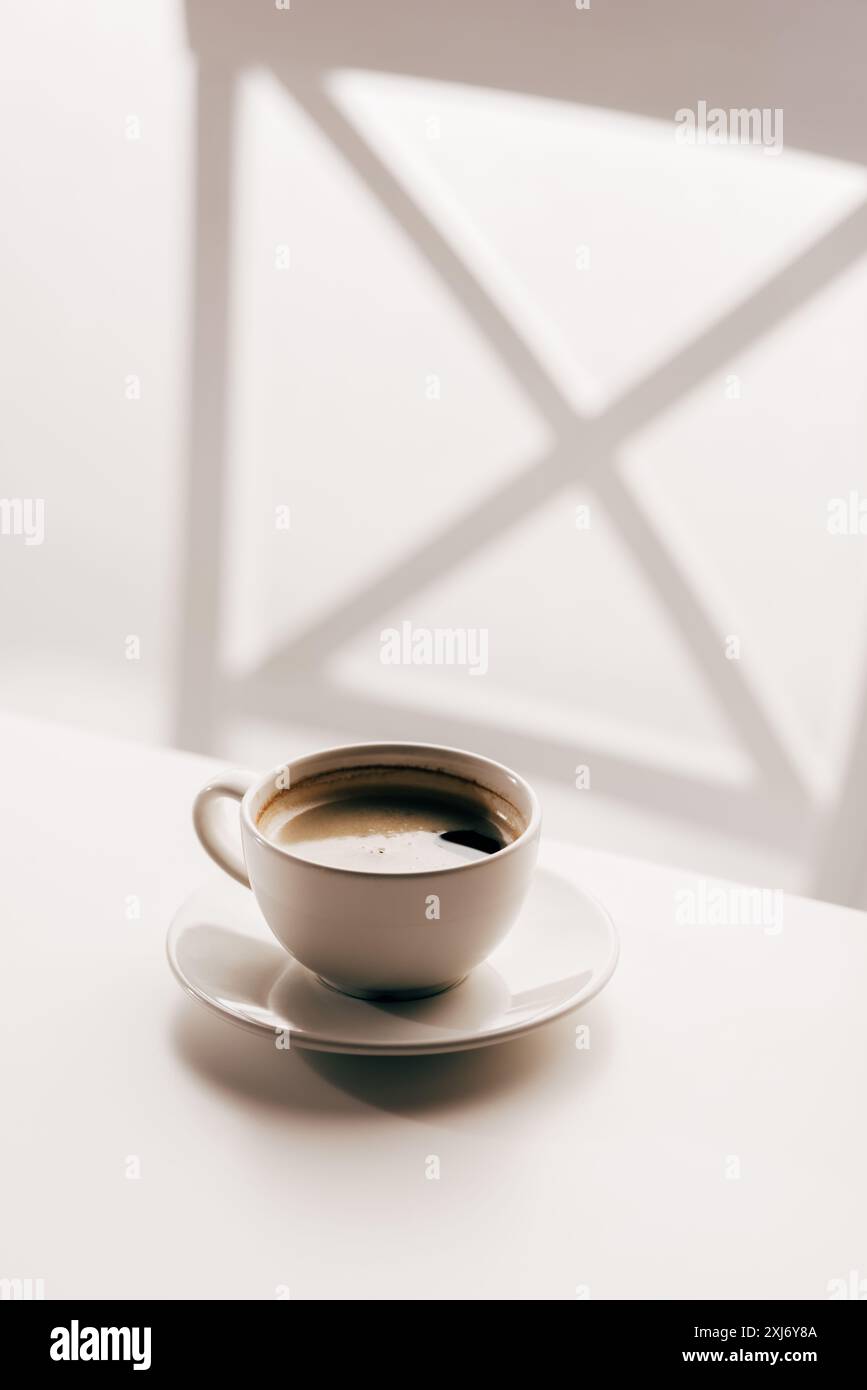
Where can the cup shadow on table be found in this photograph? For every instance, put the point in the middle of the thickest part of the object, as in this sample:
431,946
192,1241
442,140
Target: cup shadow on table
253,972
252,1070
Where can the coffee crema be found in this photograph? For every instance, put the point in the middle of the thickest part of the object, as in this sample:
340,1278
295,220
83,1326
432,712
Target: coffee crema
389,820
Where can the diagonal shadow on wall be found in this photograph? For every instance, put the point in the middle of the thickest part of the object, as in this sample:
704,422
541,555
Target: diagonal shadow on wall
292,683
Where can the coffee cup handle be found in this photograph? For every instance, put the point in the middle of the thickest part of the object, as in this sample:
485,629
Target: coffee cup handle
209,825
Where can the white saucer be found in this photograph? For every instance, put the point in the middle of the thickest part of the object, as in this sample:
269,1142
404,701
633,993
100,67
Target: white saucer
559,954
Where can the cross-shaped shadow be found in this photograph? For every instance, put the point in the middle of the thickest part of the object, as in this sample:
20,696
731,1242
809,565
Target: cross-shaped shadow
292,683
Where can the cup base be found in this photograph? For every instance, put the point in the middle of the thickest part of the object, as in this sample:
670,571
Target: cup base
393,996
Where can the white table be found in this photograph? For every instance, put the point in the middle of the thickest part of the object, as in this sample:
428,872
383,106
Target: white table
608,1172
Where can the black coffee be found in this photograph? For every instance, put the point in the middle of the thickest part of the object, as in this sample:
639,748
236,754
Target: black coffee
390,820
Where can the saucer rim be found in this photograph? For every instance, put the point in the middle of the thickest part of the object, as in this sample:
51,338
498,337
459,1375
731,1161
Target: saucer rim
318,1042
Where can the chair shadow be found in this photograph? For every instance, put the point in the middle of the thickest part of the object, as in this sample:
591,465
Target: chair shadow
252,1070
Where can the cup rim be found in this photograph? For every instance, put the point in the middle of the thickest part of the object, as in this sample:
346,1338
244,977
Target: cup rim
398,745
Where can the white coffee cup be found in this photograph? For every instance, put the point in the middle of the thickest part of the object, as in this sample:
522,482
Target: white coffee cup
377,935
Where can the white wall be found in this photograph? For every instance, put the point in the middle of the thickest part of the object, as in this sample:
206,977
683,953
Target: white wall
95,289
602,248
